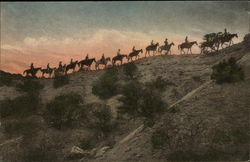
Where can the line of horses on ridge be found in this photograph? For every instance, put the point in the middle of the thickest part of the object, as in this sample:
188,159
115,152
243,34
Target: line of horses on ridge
213,42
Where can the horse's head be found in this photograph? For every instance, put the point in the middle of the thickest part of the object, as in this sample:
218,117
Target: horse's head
172,44
108,59
195,42
157,44
235,35
141,50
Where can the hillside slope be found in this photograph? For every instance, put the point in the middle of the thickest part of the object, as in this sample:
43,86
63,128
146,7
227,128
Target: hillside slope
190,92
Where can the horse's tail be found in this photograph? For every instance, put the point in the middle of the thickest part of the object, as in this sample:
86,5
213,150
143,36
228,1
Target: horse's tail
25,71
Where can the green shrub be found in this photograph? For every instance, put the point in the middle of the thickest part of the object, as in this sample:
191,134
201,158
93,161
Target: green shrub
21,106
140,101
5,80
227,72
60,81
184,156
85,144
101,120
106,86
20,127
159,83
63,110
131,99
130,69
221,137
159,139
247,40
240,137
30,86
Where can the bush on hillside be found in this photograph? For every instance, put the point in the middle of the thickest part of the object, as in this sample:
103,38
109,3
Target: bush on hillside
21,106
101,121
159,83
5,81
106,86
140,101
63,110
20,127
30,86
60,81
227,72
159,139
130,69
246,40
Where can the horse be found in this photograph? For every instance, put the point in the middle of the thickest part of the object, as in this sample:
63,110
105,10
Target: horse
87,62
32,71
151,48
205,45
187,45
227,38
103,62
134,54
60,70
118,58
166,48
47,71
71,66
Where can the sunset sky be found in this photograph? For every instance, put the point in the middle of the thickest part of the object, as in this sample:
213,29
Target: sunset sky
49,32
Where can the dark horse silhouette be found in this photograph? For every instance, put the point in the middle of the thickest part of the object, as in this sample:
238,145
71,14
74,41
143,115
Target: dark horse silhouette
87,62
186,45
151,48
71,66
32,71
227,38
47,71
118,58
134,54
166,48
102,62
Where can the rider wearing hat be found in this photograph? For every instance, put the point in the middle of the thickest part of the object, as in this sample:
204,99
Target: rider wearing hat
31,66
152,42
118,52
186,39
103,58
71,61
48,66
166,41
87,57
60,64
133,49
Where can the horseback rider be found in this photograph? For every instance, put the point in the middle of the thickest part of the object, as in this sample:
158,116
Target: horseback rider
152,42
71,61
87,57
225,32
186,39
103,58
118,52
166,41
31,66
60,65
48,66
133,49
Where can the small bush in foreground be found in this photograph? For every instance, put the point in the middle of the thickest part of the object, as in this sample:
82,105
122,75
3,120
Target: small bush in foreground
159,83
159,139
60,81
19,107
5,80
30,86
63,110
85,144
130,69
101,120
20,127
106,86
227,72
